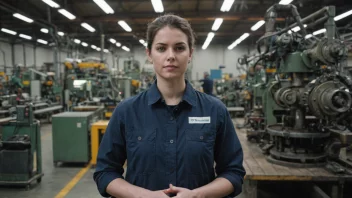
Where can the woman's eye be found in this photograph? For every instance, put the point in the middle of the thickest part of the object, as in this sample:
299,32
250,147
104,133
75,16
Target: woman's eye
180,48
160,49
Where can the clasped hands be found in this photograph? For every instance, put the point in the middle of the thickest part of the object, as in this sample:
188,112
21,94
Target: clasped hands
178,191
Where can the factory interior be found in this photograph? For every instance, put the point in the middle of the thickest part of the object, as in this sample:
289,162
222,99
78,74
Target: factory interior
283,69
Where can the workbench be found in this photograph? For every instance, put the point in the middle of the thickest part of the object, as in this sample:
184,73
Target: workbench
97,130
259,169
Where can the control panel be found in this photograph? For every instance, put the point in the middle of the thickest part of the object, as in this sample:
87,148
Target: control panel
24,114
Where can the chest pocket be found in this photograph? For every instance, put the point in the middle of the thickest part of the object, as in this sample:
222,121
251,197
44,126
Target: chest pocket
141,151
200,150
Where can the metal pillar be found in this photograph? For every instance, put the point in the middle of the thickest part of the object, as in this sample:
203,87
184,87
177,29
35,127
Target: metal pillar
102,42
13,55
24,56
35,55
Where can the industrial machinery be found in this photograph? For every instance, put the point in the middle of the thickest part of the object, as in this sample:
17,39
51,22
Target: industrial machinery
20,149
71,135
307,105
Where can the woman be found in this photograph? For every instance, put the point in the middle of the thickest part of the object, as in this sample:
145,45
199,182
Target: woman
170,134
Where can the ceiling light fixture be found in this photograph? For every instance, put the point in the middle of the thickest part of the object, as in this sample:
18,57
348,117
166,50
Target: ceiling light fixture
44,30
257,25
118,44
77,41
226,6
23,18
67,14
106,50
42,41
217,23
60,33
285,2
51,3
94,47
25,36
343,15
319,31
208,40
238,41
88,27
158,6
8,31
142,41
84,44
126,48
104,6
113,41
125,26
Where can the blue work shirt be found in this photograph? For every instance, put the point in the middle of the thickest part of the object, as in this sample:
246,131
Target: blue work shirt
207,85
165,147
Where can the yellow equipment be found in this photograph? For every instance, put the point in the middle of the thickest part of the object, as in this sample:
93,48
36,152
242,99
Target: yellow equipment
98,130
85,65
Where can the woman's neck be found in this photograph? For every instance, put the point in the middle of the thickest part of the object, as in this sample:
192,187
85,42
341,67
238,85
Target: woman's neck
171,91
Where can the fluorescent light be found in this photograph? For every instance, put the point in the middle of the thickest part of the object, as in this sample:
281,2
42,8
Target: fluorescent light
341,16
77,41
60,33
257,25
126,48
125,26
217,23
158,6
88,27
238,41
226,6
142,41
51,3
44,30
8,31
67,14
145,44
42,41
319,31
23,18
94,47
297,28
25,36
308,36
98,49
208,40
113,41
104,6
106,50
118,44
84,44
285,2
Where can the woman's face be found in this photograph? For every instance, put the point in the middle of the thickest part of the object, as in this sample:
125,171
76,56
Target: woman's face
170,53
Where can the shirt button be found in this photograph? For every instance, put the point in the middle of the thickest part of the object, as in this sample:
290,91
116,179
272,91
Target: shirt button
139,138
201,137
171,141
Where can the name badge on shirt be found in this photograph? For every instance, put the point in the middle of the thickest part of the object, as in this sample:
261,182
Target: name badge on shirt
198,120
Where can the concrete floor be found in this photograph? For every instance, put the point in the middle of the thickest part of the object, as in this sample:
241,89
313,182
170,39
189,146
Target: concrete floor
56,178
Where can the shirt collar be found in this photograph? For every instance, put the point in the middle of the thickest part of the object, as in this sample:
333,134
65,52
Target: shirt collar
154,95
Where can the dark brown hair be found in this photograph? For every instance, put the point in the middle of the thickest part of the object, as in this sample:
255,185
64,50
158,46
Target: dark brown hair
171,21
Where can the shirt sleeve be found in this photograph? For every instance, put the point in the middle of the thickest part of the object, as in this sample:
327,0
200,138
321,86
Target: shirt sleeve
111,154
228,153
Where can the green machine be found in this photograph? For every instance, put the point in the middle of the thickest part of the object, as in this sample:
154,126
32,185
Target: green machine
71,136
20,149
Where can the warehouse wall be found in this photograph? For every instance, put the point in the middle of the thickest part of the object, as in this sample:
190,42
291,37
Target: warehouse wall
203,60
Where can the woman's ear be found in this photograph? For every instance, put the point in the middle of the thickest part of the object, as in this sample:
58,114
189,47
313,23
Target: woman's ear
148,52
